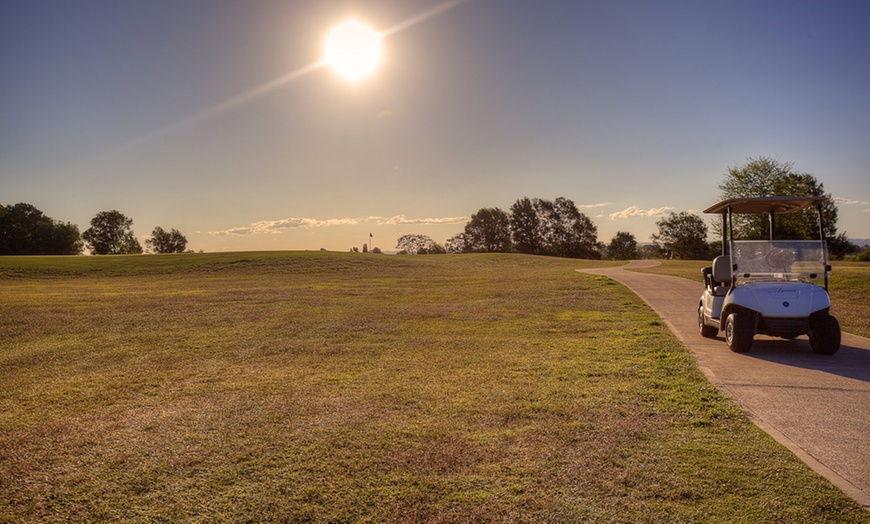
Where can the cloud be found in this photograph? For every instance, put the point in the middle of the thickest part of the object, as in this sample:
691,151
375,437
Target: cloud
848,201
634,211
401,220
276,226
592,206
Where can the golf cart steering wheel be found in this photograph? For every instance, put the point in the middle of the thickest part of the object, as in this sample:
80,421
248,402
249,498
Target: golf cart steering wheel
779,258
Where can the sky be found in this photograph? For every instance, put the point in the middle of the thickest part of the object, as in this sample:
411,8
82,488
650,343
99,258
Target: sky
218,119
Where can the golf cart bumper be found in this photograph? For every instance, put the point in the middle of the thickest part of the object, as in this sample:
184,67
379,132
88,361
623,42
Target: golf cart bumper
783,327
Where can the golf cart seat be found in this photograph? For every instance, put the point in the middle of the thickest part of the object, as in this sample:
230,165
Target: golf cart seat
721,275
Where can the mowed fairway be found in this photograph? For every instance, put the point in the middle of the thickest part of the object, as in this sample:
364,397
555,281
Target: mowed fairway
341,387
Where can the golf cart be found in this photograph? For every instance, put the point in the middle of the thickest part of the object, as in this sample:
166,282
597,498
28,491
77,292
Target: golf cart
771,287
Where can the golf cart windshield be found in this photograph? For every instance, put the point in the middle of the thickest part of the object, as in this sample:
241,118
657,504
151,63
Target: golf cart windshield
779,260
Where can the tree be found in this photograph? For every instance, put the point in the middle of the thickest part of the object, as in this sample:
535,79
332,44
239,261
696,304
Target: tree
456,243
111,234
565,231
418,245
488,231
25,230
764,176
685,234
525,227
162,241
623,246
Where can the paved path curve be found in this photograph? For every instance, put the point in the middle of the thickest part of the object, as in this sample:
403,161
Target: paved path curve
817,406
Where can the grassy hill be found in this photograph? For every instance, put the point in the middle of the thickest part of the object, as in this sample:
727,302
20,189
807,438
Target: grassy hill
349,387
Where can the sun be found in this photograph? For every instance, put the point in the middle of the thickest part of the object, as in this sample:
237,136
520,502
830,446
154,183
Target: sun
353,50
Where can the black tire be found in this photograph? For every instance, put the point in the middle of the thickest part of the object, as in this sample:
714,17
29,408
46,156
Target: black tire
825,335
706,331
739,332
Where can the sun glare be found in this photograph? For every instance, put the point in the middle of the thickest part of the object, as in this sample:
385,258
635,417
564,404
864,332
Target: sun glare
353,50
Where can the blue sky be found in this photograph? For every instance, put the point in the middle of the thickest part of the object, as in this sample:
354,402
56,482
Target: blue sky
210,116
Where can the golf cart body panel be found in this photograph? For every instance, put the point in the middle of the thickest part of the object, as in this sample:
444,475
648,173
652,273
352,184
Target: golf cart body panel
775,287
795,300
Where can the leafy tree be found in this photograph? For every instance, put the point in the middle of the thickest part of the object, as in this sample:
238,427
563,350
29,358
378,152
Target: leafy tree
111,234
163,241
685,234
566,232
651,251
434,249
488,231
534,226
525,226
25,230
764,176
456,243
623,246
418,245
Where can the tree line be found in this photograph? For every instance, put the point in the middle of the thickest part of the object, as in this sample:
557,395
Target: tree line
534,226
25,230
558,228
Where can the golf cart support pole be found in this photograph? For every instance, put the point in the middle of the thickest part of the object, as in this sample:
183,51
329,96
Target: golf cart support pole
730,231
824,242
772,225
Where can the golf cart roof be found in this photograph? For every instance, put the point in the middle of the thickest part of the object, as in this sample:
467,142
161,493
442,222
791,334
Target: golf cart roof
773,204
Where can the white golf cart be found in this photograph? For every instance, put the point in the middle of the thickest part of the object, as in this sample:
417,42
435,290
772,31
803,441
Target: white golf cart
770,287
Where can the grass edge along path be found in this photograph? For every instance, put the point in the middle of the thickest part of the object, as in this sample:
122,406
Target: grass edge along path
339,387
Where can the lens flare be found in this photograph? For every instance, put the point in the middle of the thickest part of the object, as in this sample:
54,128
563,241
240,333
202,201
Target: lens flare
353,50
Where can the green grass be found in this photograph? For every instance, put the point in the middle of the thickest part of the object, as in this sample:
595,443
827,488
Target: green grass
340,387
849,286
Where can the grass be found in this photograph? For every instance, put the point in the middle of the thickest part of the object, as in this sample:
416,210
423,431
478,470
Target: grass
849,287
339,387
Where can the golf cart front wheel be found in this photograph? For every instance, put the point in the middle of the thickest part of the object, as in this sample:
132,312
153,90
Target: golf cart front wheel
825,335
739,332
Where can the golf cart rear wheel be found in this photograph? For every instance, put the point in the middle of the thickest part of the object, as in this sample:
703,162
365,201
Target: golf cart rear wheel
706,331
739,332
825,335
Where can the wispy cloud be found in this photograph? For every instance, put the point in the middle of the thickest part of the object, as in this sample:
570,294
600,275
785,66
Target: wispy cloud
403,220
634,211
592,206
848,201
277,226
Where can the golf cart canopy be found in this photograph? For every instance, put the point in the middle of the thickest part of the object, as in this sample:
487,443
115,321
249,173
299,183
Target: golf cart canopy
766,205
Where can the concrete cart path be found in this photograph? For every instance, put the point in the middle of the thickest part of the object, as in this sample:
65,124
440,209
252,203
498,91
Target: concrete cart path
818,406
